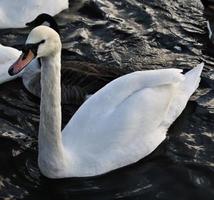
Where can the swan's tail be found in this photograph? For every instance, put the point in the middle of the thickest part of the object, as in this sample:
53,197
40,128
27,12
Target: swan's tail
183,92
192,79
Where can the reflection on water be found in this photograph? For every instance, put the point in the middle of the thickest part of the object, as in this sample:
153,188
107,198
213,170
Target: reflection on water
134,34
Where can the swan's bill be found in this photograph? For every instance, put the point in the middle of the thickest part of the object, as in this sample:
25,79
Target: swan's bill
21,63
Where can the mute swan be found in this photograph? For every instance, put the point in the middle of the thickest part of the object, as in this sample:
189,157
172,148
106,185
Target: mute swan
117,126
10,10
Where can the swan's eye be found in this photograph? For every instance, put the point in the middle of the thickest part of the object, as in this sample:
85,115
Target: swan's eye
43,41
32,47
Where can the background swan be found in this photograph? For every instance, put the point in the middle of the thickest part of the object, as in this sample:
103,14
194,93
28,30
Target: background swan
118,125
10,10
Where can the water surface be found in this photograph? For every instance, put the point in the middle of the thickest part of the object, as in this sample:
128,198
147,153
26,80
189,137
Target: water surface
131,35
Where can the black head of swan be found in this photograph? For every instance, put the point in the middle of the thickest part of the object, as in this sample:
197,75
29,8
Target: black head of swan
44,18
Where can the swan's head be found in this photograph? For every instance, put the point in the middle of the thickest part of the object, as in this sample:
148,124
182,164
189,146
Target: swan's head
41,42
44,19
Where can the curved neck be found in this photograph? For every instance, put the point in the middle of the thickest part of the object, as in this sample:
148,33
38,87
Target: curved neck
50,138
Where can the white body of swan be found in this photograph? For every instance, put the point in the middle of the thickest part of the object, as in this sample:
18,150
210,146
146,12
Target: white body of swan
15,13
120,124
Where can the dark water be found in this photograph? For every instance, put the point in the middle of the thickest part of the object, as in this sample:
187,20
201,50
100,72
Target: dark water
132,35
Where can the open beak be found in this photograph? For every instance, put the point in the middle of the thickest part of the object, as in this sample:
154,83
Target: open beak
25,58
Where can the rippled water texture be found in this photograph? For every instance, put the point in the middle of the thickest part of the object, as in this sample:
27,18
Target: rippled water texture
131,35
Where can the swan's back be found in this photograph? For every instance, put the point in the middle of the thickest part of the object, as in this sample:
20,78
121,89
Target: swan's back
127,119
8,54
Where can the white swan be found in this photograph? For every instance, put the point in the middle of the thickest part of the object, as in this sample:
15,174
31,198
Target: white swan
118,125
10,10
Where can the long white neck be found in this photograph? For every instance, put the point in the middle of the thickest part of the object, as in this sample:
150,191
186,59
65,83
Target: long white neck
51,152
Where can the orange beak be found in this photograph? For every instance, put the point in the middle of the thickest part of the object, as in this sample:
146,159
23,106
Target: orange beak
21,63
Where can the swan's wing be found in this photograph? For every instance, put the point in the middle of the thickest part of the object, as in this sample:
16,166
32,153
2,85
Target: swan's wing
119,89
8,53
121,123
8,56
